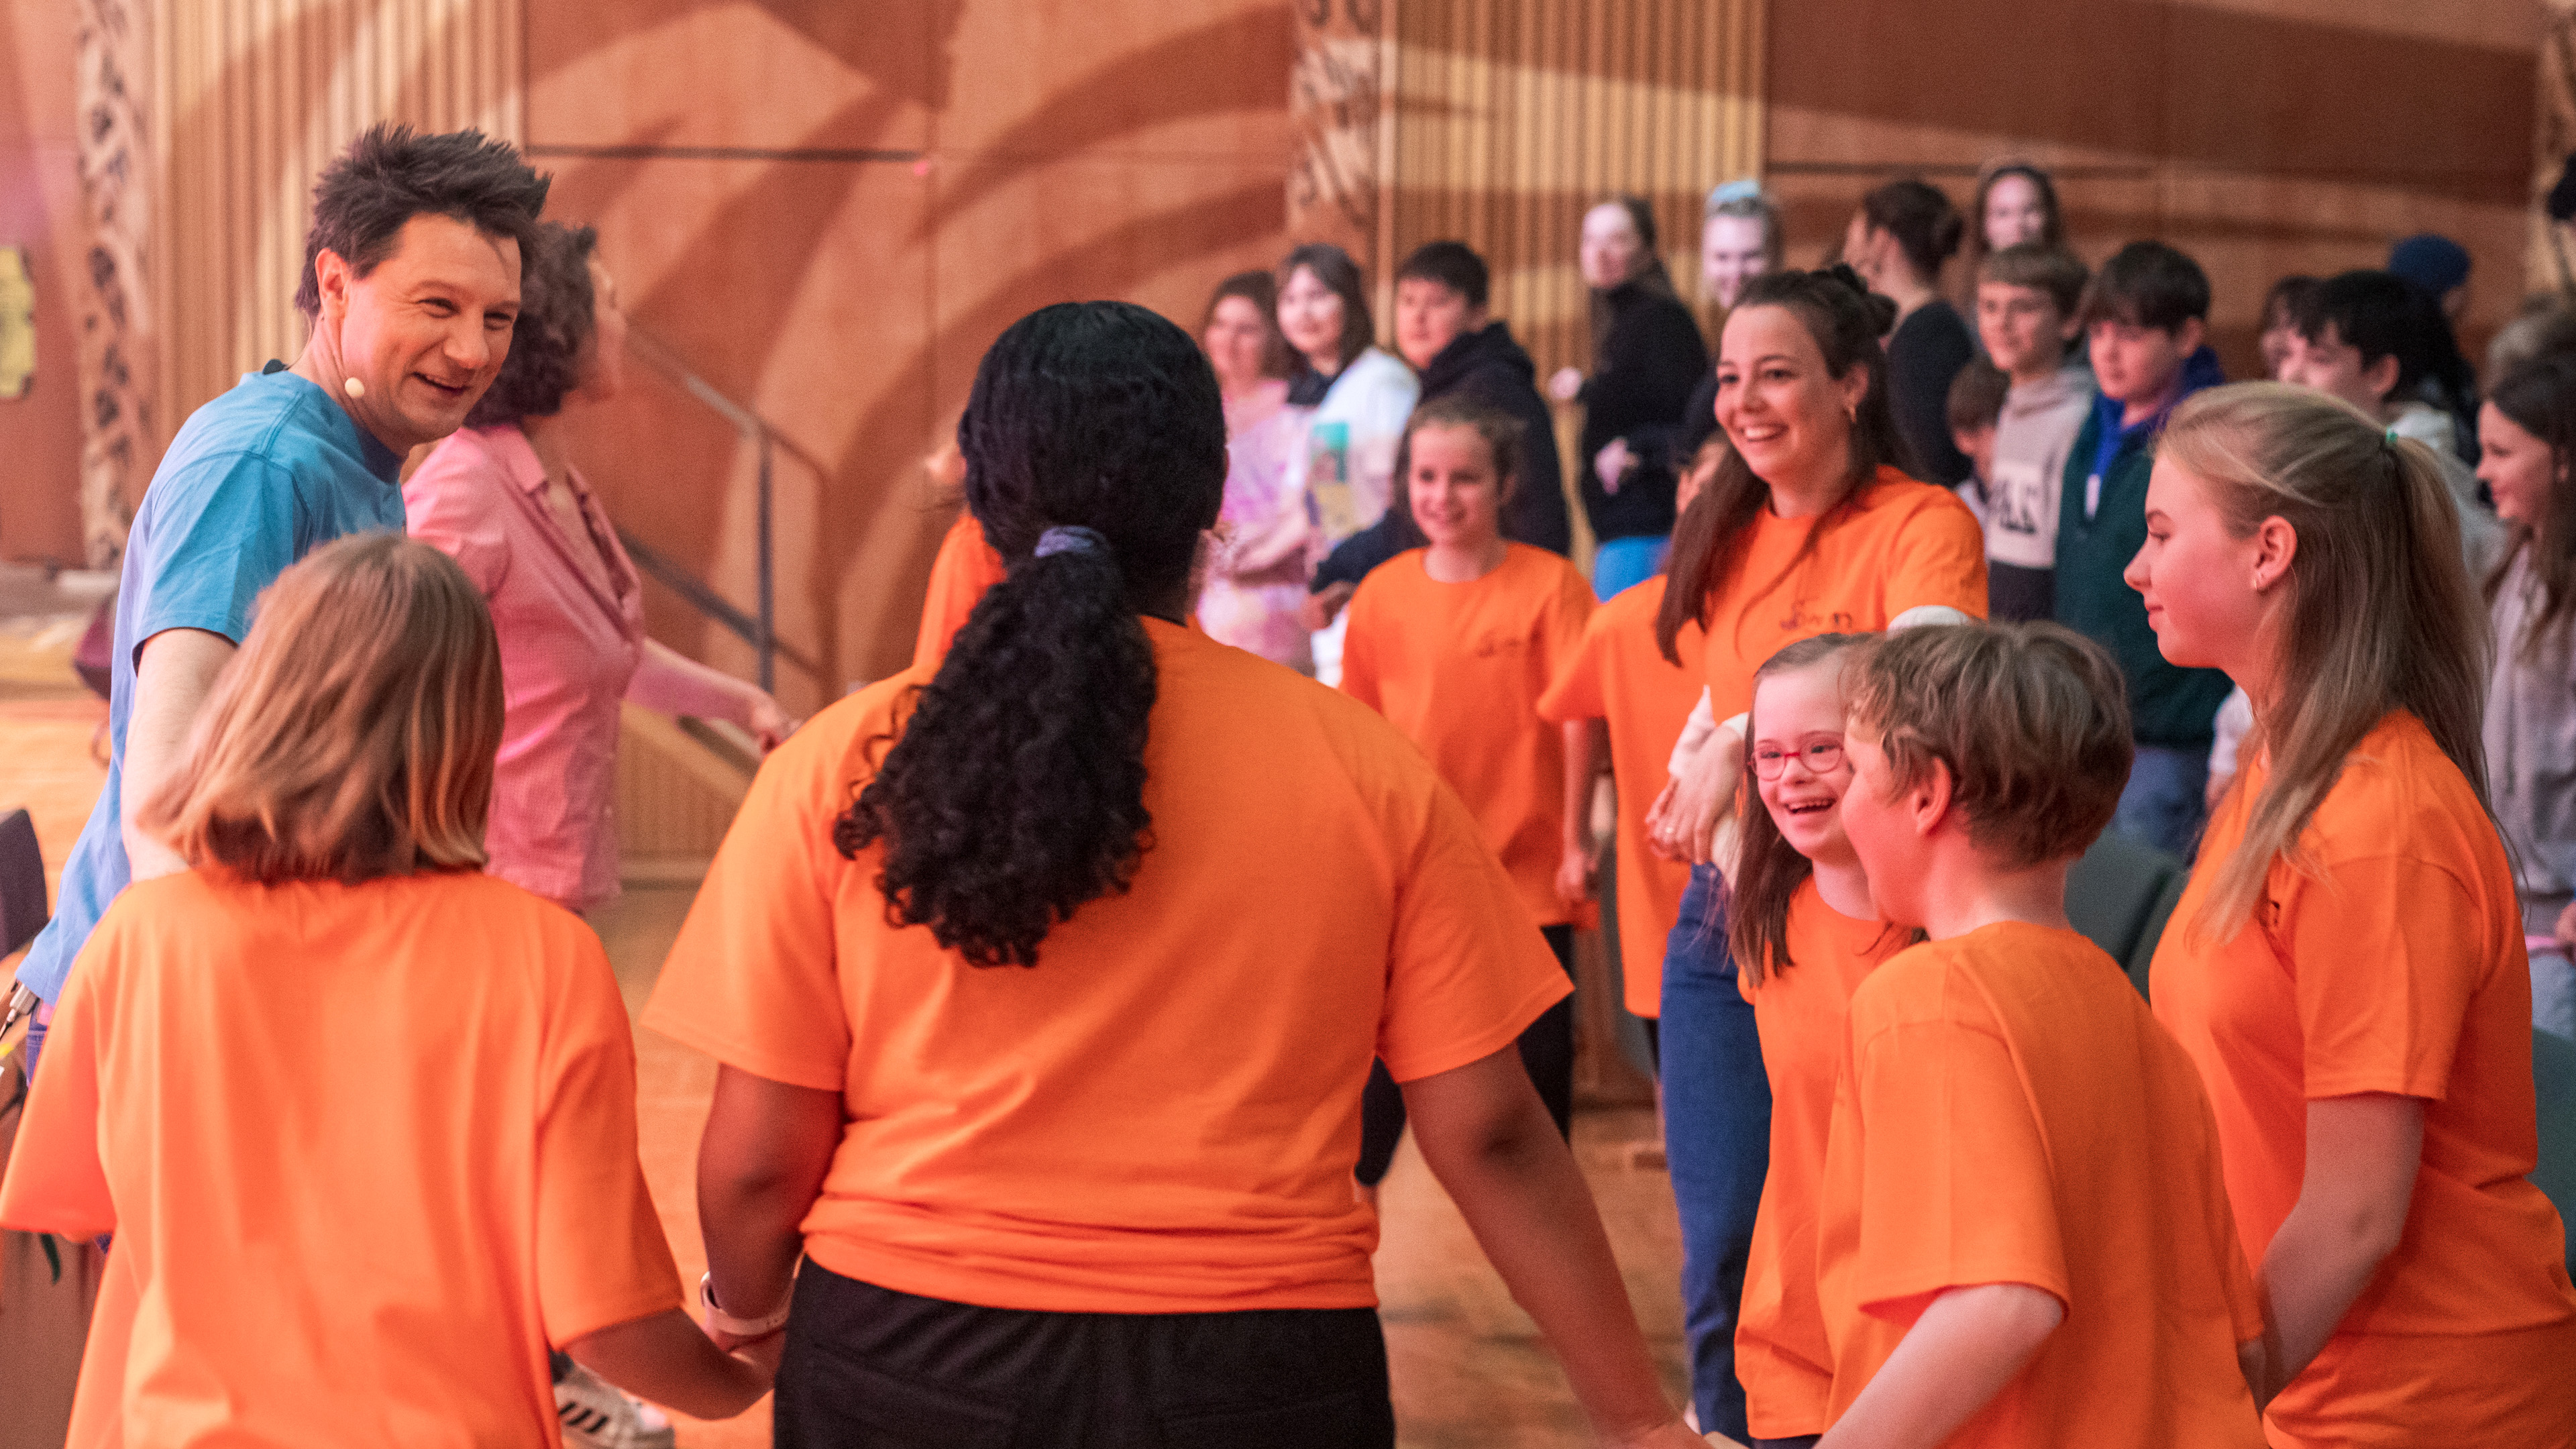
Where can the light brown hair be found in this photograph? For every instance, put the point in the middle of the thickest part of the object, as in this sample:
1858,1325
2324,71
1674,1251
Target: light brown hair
2031,719
2054,270
2382,616
353,735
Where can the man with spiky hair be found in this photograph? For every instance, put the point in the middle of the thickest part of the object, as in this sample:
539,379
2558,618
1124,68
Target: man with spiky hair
411,284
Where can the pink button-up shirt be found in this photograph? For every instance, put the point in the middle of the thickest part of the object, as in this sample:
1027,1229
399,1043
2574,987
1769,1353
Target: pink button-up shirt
568,652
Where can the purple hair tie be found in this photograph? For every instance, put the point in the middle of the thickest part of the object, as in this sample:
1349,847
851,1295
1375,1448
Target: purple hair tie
1071,540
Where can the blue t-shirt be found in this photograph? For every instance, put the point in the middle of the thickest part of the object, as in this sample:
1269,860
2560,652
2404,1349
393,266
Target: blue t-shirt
255,480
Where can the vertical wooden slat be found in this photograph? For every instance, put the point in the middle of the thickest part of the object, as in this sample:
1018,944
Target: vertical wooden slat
1512,115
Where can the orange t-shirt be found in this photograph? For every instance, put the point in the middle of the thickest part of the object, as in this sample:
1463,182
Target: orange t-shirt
965,568
1781,1354
1899,546
368,1151
1616,673
1163,1114
2007,1111
2393,964
1460,668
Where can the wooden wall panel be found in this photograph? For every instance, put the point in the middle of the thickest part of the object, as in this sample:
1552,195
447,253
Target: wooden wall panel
40,203
2263,136
1511,117
255,97
830,221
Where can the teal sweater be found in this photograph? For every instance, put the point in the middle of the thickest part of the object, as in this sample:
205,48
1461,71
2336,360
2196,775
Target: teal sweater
2170,707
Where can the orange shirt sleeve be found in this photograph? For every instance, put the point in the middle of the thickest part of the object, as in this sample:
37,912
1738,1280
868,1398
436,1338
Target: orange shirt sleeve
1939,558
1562,627
56,1183
1575,691
753,978
2381,960
1467,970
1954,1180
965,568
1361,667
601,1258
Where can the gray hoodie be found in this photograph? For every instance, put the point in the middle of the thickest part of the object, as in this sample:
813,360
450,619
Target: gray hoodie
2039,423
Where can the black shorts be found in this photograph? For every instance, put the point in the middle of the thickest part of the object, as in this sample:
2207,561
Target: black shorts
870,1368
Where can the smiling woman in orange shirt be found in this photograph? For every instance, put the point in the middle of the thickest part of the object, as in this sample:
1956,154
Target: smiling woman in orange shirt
1044,986
2347,963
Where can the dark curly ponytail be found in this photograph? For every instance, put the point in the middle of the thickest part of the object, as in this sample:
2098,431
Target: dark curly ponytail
1094,442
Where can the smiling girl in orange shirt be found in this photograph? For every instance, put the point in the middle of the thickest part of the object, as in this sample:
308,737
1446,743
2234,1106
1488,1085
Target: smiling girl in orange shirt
1454,644
2347,963
1806,931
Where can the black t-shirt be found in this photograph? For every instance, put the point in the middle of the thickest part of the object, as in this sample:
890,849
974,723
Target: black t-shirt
1925,354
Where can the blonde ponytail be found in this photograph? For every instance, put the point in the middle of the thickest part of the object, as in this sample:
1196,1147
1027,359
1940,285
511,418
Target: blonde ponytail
2382,615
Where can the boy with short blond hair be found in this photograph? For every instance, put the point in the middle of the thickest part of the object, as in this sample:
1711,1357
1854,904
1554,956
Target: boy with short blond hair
2023,1237
2028,297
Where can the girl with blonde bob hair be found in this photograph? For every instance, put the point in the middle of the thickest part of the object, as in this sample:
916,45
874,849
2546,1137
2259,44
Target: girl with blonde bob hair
307,1079
2347,967
354,736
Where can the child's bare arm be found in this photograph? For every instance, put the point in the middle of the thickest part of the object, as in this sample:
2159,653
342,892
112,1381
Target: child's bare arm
760,1166
665,1358
1968,1343
1574,862
1490,1143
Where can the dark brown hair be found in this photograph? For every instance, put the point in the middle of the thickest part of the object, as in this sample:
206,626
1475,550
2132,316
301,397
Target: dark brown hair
2031,720
1262,291
391,174
1845,319
2540,398
2052,234
1927,227
558,318
1501,431
353,735
1977,396
1334,268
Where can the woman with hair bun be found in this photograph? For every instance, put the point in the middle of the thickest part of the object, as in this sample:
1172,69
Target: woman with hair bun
1810,527
2347,963
1038,1052
1898,241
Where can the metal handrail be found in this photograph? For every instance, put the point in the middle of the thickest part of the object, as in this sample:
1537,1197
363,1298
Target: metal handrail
761,629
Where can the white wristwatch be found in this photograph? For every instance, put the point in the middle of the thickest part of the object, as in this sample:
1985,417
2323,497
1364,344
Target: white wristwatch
739,1327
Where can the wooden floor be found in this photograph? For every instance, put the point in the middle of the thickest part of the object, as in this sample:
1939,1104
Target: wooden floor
1469,1369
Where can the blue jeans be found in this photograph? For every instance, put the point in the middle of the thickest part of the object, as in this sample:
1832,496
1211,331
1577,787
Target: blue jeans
2166,800
1717,1136
1620,564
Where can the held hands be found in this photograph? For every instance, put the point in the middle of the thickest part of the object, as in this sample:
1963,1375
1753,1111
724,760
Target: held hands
767,722
2565,930
1574,874
1612,463
1565,384
1682,825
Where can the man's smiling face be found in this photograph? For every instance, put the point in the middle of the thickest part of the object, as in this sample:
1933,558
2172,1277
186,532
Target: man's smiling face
426,331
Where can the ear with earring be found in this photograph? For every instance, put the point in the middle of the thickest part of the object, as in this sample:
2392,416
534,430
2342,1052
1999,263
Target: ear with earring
354,388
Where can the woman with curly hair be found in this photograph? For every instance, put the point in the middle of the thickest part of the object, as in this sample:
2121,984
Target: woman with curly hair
1044,986
501,496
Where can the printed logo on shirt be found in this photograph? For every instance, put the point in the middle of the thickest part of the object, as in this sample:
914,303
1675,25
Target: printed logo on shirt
1489,645
2021,514
1328,481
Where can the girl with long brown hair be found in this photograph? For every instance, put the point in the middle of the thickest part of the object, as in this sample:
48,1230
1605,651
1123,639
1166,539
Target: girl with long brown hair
339,1086
2347,963
1810,527
2527,433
